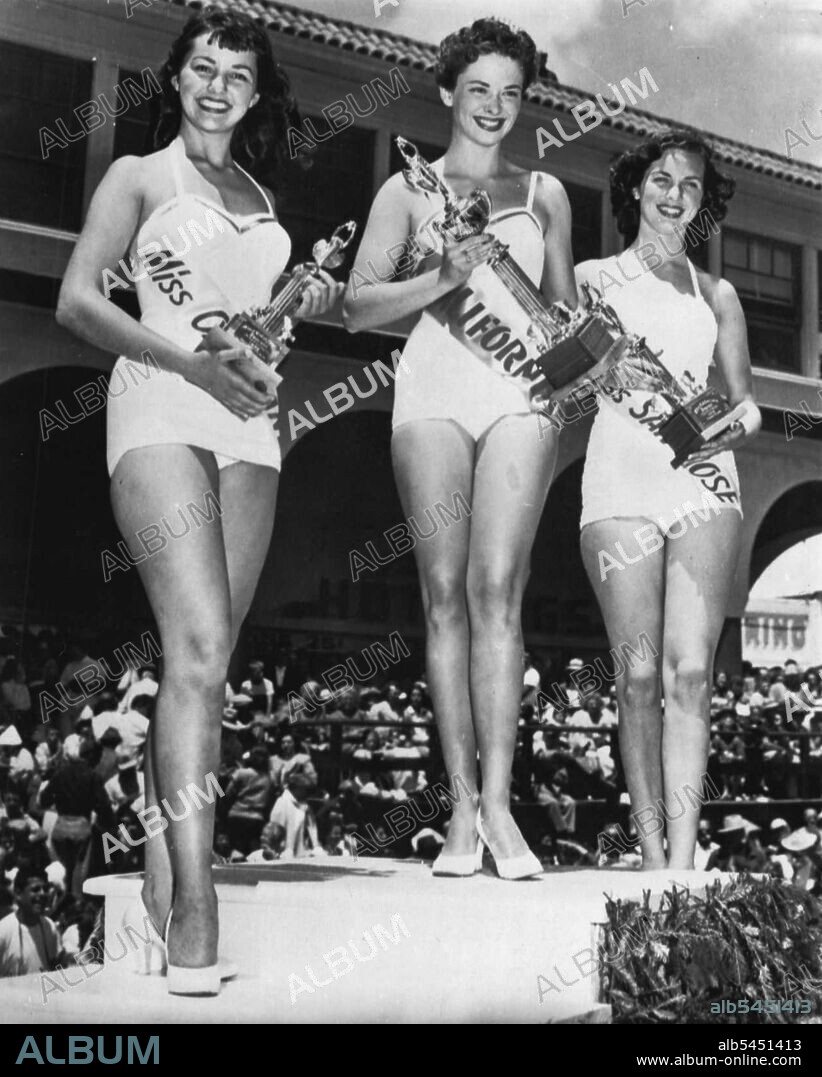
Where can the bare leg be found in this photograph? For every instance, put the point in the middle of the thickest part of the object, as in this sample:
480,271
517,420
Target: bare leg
700,569
187,586
248,495
631,599
433,461
511,480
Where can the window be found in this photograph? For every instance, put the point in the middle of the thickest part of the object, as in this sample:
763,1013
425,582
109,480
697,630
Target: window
766,274
336,188
132,129
586,222
37,89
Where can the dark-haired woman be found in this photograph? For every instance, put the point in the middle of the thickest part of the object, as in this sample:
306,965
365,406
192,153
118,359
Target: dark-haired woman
205,240
462,421
660,545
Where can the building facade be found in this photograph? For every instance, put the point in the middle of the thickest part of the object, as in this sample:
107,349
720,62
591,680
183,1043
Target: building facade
76,82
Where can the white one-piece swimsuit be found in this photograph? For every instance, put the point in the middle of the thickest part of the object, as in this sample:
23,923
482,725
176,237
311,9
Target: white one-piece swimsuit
627,467
194,265
461,357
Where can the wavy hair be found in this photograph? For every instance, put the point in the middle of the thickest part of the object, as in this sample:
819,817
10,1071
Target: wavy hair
482,38
629,169
259,142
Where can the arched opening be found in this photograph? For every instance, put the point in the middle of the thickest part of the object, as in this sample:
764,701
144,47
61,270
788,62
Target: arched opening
337,496
57,515
783,615
794,516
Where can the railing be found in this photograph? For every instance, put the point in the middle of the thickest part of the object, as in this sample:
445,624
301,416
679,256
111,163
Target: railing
593,812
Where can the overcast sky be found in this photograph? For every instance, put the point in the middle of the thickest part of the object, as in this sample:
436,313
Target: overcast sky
746,69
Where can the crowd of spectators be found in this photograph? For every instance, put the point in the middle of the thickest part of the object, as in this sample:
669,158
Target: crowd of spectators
305,770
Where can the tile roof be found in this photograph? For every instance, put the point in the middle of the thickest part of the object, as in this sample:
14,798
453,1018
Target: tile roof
548,92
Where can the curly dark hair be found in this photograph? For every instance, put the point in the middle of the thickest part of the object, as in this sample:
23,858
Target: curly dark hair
259,142
628,171
482,38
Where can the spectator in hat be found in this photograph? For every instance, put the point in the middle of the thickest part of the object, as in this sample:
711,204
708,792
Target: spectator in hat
801,845
29,939
292,829
427,843
810,826
781,861
707,850
16,762
740,848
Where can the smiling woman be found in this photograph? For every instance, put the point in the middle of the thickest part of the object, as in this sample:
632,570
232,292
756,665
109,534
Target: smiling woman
198,424
463,428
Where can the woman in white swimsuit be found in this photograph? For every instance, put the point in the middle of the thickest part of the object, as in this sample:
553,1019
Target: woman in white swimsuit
660,545
204,243
462,421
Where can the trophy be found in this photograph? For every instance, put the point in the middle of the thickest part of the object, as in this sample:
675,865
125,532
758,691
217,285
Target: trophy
594,346
268,330
696,420
696,415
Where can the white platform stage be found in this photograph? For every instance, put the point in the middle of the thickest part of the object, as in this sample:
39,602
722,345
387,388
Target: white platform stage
363,940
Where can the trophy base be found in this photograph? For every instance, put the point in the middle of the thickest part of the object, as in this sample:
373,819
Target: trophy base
241,330
696,422
587,354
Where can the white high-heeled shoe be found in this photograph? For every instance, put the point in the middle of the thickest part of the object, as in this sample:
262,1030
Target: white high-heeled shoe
181,980
525,866
458,866
150,952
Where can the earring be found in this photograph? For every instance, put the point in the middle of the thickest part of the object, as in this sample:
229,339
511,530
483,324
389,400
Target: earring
636,194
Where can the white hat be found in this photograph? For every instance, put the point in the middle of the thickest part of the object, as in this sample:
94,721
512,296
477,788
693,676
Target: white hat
71,746
10,738
801,841
531,678
777,824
